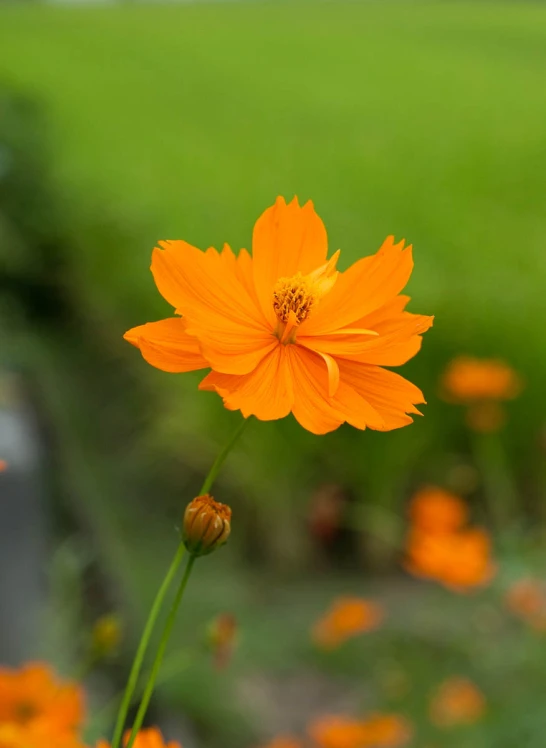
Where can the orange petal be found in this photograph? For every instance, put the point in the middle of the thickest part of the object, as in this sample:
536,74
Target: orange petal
392,396
364,287
333,373
210,290
397,340
314,408
287,239
266,392
167,346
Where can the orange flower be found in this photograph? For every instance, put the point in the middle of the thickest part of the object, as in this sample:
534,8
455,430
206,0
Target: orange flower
436,510
36,735
467,379
3,466
33,696
389,730
346,618
378,730
459,560
221,638
285,741
150,738
326,513
527,599
485,417
283,331
457,701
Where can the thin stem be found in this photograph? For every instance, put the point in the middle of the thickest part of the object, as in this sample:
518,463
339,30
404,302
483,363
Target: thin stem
144,641
152,618
498,481
160,653
219,461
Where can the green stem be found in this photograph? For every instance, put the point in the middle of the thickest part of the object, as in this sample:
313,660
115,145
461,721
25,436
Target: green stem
498,481
219,461
143,645
156,607
160,653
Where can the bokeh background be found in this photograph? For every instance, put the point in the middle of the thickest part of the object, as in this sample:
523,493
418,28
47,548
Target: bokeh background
124,123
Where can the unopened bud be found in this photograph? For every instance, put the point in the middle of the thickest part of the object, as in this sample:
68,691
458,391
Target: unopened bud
207,525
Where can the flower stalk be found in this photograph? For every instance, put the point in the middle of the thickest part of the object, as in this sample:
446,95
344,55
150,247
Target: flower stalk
156,609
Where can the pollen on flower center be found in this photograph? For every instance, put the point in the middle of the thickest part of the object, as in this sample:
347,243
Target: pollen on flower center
295,294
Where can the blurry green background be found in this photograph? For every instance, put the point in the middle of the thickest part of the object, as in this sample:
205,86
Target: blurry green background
127,123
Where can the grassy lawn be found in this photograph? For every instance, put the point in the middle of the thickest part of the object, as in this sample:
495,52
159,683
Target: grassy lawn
425,120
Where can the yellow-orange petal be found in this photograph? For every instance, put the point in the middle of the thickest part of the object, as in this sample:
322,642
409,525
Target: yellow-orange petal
314,408
391,343
389,394
467,379
149,737
363,288
34,735
33,694
167,346
267,392
435,510
206,287
287,239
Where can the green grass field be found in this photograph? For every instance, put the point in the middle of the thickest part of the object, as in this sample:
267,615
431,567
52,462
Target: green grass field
425,120
422,119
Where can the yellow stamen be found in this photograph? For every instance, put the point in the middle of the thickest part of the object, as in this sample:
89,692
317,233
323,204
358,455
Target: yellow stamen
295,297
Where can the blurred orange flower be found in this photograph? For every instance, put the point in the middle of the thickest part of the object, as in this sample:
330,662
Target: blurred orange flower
326,510
346,618
283,331
379,730
467,379
436,510
526,598
485,417
457,701
148,738
33,696
3,466
460,560
388,730
285,741
221,638
37,735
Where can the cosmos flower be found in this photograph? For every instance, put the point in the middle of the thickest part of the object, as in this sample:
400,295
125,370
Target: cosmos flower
526,598
34,697
468,379
37,735
347,617
459,560
284,741
457,701
283,331
436,510
378,731
148,738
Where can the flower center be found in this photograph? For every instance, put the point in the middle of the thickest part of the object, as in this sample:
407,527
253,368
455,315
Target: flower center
295,294
24,712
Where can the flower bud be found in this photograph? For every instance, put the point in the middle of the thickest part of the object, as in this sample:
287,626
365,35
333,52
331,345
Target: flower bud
207,525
